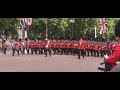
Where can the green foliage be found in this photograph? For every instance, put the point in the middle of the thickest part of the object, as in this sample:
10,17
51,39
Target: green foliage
82,27
8,26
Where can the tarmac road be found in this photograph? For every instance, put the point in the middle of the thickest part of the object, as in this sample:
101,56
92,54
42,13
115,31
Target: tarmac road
55,63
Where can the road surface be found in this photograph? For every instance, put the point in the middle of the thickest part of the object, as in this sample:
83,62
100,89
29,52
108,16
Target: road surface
55,63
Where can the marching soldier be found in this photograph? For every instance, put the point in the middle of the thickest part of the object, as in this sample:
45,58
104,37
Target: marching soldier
65,47
61,47
35,46
32,45
109,49
15,46
101,49
68,47
87,48
39,46
54,47
26,46
76,47
96,49
20,46
81,47
48,47
4,46
113,47
91,48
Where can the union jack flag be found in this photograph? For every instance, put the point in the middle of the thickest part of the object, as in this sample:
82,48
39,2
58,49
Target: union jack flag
25,22
28,21
22,22
102,25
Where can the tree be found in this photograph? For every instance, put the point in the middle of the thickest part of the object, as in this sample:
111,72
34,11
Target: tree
82,27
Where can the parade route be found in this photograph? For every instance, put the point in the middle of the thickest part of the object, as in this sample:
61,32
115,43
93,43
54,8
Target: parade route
65,38
55,63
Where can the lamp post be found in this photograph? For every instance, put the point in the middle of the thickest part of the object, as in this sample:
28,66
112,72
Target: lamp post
46,31
72,21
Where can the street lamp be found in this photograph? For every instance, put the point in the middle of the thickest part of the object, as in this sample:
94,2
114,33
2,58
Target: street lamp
72,21
46,31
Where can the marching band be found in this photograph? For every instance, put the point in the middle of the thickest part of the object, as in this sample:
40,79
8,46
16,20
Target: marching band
61,47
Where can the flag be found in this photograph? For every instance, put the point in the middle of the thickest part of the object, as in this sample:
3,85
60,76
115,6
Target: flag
22,22
18,19
28,21
102,25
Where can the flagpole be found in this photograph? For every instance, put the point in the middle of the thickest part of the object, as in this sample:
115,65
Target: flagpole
25,33
27,28
25,37
46,31
95,32
28,31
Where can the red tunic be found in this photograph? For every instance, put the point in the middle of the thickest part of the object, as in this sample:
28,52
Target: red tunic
100,46
113,47
16,45
4,45
49,43
114,57
81,44
20,44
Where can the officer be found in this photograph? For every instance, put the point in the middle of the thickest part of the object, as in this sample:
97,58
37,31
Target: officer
115,57
48,47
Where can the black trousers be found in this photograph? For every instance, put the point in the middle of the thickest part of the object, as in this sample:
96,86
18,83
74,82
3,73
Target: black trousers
88,52
4,50
33,50
20,49
27,49
42,50
91,52
108,52
69,50
101,52
76,51
48,50
58,50
61,51
39,50
80,52
15,50
54,50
